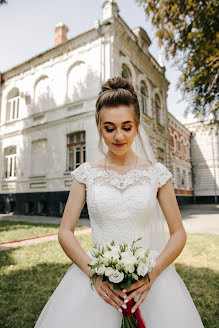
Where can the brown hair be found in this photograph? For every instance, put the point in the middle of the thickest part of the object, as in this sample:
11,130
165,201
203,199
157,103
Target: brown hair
116,91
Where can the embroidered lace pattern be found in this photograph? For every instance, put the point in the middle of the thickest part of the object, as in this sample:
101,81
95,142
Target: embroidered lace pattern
121,206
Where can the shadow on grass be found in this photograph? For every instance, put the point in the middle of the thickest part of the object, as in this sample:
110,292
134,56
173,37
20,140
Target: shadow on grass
202,284
25,292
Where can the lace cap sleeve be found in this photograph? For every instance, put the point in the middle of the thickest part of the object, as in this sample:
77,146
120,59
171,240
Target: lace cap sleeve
80,173
163,174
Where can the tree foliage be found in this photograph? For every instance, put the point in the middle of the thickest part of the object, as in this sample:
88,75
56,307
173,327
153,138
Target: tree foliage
188,30
3,2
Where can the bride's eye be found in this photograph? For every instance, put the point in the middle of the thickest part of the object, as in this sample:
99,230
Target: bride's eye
127,129
109,130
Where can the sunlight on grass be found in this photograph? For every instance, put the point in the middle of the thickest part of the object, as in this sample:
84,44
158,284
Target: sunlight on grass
10,231
30,274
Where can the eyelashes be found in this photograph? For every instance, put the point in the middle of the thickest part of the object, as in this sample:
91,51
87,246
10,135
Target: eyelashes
111,130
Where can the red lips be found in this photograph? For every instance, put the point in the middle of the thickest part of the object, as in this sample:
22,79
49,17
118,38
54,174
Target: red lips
119,145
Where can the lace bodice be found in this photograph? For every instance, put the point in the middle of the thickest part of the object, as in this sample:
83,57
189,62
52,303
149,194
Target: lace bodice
121,206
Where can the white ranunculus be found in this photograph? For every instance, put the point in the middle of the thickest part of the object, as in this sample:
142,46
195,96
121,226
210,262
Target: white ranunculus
142,269
109,271
116,277
101,269
140,252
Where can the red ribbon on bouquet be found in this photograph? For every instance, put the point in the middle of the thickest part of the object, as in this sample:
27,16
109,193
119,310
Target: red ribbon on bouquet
127,313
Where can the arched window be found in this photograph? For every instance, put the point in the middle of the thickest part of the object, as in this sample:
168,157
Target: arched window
182,147
184,179
175,143
126,72
158,108
187,151
144,98
42,93
77,81
13,104
178,177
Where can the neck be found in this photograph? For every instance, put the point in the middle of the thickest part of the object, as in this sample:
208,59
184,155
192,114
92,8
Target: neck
123,159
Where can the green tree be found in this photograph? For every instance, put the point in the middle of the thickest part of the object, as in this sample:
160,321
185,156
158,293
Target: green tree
3,2
188,31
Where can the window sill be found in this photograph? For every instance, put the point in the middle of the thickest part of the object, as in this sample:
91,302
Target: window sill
9,179
36,176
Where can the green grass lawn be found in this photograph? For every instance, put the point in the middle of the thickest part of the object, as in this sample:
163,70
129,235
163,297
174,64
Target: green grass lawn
30,274
13,230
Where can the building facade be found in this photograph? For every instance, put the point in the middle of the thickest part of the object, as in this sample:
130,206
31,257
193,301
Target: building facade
181,166
47,122
205,161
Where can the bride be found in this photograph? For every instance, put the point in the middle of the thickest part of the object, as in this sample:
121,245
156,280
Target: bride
128,196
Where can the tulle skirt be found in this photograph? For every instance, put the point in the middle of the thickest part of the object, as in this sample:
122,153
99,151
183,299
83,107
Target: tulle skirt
74,304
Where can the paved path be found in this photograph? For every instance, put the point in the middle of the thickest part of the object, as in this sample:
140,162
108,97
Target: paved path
196,219
39,239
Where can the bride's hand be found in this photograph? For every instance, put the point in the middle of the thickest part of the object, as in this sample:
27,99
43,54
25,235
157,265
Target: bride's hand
109,294
141,287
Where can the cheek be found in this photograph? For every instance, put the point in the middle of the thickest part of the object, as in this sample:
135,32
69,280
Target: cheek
106,136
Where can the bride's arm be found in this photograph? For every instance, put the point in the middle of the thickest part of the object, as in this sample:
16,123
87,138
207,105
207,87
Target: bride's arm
168,203
66,237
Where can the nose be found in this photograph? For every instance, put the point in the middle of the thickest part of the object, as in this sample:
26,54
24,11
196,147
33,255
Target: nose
119,135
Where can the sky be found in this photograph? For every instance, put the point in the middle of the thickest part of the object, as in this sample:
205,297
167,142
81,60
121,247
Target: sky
28,28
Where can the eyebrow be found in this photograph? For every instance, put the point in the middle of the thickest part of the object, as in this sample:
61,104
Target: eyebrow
122,122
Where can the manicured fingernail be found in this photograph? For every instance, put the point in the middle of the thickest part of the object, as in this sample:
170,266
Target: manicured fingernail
133,310
120,310
124,290
125,301
124,306
124,296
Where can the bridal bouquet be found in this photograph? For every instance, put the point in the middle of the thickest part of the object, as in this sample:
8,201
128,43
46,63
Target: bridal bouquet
123,265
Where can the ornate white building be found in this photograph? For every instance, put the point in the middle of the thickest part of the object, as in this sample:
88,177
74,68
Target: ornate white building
205,160
180,153
47,122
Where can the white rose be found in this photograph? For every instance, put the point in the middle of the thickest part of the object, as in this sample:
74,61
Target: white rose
105,261
109,271
129,261
101,269
116,277
150,263
140,252
142,269
129,267
114,254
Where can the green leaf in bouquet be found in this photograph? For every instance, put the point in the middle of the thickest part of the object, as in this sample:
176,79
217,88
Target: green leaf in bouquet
135,276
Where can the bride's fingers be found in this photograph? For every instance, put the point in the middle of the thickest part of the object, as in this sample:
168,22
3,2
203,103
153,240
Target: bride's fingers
142,289
135,285
118,292
115,298
108,299
140,300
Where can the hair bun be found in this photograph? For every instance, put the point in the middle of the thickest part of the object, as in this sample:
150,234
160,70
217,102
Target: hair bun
118,82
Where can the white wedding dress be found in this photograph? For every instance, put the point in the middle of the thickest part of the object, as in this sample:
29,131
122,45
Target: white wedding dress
120,207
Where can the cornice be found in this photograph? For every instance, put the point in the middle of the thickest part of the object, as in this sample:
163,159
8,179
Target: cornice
52,53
